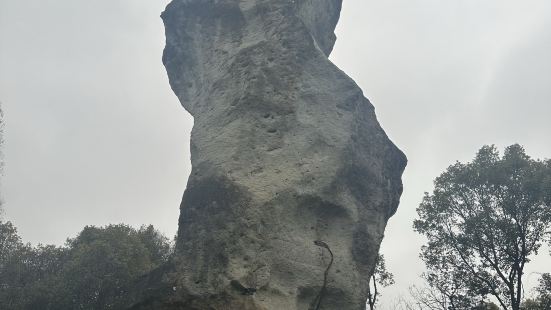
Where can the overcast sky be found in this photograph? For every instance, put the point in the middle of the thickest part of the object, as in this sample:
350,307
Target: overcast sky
94,135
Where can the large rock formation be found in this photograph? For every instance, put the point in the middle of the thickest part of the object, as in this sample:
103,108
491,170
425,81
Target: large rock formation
291,170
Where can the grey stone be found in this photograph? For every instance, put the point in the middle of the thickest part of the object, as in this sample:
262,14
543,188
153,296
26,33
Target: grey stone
285,151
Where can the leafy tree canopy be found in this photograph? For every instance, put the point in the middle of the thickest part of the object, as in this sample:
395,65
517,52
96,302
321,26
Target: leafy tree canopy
484,221
92,271
542,301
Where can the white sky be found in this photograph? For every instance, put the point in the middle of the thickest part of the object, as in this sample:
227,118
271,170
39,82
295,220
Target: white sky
94,135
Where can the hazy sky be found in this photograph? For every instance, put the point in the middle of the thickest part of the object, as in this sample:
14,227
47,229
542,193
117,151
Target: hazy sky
94,135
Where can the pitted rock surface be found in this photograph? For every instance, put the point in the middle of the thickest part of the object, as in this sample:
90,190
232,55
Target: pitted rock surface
285,151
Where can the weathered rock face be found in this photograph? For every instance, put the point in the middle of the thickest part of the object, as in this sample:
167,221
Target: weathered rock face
285,151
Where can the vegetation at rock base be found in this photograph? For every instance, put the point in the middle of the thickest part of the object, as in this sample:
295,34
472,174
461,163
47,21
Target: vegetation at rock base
381,278
484,221
91,271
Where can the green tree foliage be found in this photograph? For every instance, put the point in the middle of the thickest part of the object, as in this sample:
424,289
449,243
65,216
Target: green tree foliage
17,266
544,291
1,141
543,299
9,240
381,277
483,222
92,271
1,157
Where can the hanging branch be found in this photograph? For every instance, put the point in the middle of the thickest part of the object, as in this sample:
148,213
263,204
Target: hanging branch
322,290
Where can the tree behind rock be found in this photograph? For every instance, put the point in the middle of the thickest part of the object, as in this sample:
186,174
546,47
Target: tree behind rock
484,221
92,271
381,278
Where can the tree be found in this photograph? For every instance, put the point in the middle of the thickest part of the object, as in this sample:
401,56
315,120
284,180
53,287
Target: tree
9,241
158,245
431,297
93,270
483,221
543,299
17,267
1,141
104,261
1,157
380,277
33,275
445,290
544,291
426,297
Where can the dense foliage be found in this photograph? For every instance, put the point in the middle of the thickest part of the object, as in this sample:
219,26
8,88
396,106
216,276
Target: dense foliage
544,291
484,221
92,271
542,300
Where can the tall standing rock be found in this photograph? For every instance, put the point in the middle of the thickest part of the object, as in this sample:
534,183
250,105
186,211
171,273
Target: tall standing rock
287,157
